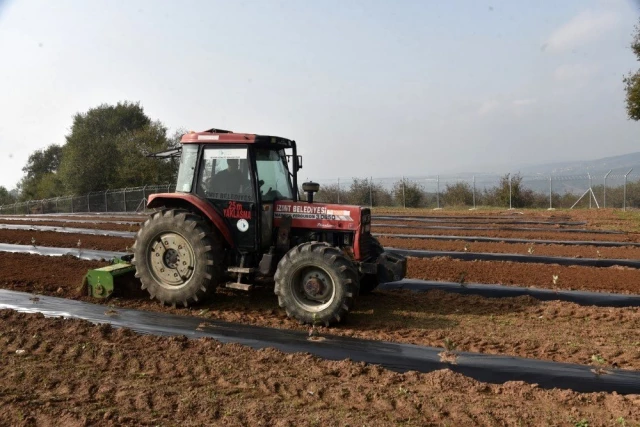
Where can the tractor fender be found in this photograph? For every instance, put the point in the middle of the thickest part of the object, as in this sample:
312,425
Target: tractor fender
196,204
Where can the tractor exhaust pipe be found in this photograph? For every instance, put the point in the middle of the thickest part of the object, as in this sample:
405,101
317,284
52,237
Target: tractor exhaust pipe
310,188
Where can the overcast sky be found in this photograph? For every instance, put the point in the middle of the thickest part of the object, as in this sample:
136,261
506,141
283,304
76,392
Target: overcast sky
366,87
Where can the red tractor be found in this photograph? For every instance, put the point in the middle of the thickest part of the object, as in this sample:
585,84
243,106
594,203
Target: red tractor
236,220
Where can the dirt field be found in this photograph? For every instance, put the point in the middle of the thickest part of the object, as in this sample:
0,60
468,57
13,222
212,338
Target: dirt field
62,224
75,374
533,235
473,323
114,378
625,252
65,240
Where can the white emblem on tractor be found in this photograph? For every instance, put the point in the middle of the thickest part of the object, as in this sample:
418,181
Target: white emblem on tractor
242,225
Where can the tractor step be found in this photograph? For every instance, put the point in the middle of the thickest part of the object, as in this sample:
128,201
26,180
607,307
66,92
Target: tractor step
239,286
241,270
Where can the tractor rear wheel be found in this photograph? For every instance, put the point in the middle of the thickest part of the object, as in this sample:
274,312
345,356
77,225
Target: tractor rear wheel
316,283
177,257
371,249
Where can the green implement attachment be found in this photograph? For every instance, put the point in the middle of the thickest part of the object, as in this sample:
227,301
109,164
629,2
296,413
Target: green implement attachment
100,281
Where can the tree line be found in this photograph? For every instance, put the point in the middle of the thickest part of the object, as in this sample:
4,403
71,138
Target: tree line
410,194
107,147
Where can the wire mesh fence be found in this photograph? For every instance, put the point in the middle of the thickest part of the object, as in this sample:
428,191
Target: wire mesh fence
121,200
610,190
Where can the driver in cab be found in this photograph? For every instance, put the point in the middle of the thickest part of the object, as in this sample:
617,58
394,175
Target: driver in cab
232,180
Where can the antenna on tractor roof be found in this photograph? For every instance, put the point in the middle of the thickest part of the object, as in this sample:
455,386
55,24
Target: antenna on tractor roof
214,130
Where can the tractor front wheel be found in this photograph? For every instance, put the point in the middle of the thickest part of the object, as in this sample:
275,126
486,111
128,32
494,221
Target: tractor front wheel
177,257
316,283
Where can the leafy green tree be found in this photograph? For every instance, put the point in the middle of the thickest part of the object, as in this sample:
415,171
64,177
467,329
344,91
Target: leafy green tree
408,193
499,196
458,194
632,81
328,194
107,148
41,178
365,192
134,167
6,197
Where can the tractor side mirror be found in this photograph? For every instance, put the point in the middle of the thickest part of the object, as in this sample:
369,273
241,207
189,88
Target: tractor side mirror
310,188
298,163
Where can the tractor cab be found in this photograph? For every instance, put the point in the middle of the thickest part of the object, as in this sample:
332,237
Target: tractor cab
241,176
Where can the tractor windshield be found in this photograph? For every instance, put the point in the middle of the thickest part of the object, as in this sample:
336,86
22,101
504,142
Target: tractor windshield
273,175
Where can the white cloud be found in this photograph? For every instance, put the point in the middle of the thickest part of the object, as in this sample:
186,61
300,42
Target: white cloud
523,102
488,106
585,27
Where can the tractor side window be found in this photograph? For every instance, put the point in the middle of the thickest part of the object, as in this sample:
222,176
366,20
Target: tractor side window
273,175
188,160
225,174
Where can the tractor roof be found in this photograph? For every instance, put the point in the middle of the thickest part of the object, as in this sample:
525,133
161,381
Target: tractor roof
219,136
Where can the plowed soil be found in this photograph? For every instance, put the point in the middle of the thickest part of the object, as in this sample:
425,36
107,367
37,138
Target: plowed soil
615,279
534,235
72,373
453,222
517,326
605,219
62,224
96,217
627,252
65,240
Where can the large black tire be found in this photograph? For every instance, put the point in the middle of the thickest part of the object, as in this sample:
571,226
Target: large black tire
178,258
371,249
316,283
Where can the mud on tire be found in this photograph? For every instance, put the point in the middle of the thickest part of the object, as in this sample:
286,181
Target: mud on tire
178,258
316,283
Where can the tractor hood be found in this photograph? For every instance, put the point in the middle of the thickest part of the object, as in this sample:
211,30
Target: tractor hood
321,215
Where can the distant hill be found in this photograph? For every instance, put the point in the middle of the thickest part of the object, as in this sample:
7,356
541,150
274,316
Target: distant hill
619,165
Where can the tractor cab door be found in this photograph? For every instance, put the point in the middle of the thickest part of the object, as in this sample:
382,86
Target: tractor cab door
274,182
226,181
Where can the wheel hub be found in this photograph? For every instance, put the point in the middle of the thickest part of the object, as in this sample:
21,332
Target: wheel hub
314,286
172,260
317,286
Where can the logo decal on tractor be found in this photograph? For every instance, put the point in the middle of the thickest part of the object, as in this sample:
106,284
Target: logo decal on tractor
236,211
242,225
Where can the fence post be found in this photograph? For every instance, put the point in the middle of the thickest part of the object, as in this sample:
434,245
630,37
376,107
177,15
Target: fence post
338,190
474,192
106,209
57,203
371,192
88,204
510,191
124,198
624,197
604,195
404,200
438,191
550,192
590,189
